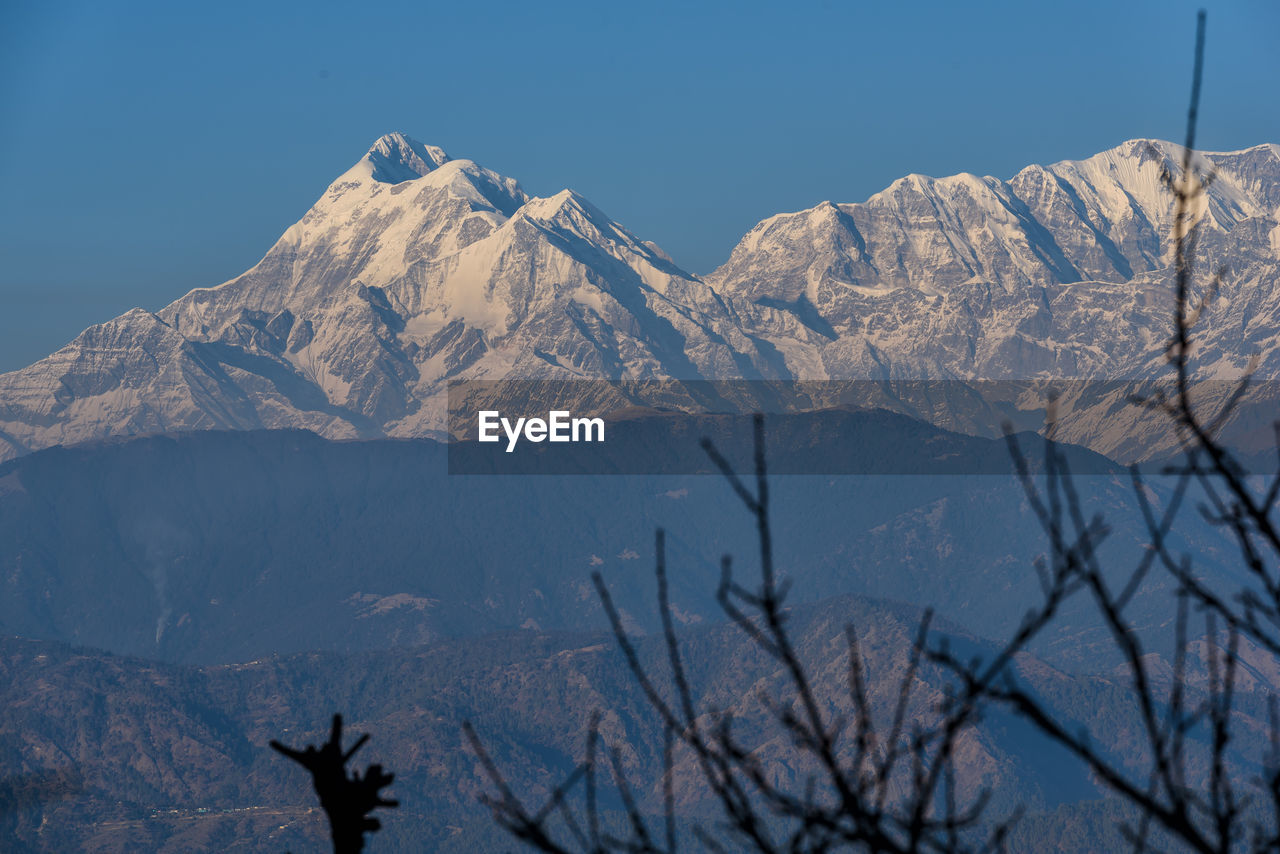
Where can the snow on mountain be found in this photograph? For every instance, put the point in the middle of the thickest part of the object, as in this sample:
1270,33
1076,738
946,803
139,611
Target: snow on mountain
1059,272
1063,272
414,269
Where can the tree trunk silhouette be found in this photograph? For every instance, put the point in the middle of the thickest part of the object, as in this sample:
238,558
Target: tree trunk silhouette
346,800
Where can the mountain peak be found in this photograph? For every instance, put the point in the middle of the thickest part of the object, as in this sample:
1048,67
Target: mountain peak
455,272
396,157
568,207
546,207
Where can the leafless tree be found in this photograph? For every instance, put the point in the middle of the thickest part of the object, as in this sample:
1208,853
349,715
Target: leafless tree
1187,791
875,787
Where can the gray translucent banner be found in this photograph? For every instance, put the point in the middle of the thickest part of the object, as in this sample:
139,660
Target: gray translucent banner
530,426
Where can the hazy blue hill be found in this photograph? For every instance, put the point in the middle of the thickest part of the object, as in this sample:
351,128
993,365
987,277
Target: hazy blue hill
182,599
228,546
169,758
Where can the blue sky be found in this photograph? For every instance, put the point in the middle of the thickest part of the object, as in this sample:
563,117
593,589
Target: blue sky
149,148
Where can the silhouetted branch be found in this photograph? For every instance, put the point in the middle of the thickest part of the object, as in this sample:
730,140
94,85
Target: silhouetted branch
1200,810
346,800
895,790
892,792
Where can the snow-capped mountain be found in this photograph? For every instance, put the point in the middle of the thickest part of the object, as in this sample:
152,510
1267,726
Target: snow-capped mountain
414,269
1060,273
410,270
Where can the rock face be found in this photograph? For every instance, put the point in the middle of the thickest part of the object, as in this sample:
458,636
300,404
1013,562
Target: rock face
1059,272
410,270
414,269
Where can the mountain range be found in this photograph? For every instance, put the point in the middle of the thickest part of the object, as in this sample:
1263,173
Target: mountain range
199,556
414,270
119,754
224,546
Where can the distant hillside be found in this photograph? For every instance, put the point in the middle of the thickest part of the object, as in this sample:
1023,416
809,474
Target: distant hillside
117,754
226,547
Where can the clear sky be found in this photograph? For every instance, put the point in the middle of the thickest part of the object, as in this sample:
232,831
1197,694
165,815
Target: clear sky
147,148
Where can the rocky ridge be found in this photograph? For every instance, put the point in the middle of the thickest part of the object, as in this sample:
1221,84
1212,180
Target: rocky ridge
414,269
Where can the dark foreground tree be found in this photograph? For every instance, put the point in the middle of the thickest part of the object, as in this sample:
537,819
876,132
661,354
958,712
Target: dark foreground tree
893,787
346,800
